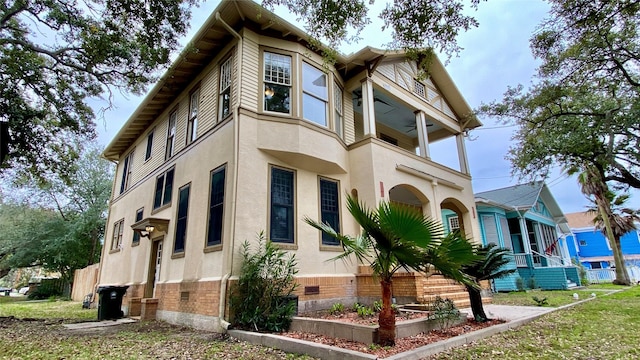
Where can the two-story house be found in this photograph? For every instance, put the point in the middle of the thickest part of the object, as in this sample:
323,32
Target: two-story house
249,130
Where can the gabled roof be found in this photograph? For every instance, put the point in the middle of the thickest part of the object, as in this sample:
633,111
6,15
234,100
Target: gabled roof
229,17
580,220
522,198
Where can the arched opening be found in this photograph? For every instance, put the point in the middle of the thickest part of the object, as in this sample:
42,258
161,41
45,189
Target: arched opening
408,195
454,215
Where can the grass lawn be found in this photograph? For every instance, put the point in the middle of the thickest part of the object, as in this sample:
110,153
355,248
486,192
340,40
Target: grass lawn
36,332
521,298
605,328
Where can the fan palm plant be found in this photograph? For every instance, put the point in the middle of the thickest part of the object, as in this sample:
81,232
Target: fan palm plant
490,265
395,237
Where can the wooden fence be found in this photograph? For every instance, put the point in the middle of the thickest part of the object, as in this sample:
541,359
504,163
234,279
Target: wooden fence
84,282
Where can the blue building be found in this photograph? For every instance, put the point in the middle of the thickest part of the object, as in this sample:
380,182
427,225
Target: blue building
526,219
593,249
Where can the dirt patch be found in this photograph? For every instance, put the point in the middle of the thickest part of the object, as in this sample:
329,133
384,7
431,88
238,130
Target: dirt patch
354,318
402,345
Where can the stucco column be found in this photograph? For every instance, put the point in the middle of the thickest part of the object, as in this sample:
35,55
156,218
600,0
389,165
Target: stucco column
423,138
368,111
436,201
462,154
525,235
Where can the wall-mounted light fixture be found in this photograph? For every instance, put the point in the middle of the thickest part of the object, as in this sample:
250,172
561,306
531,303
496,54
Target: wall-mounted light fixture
146,227
268,92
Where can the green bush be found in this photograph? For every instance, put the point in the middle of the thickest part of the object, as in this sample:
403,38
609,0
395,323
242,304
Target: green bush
336,309
262,299
377,305
520,283
532,283
364,311
47,289
444,311
539,301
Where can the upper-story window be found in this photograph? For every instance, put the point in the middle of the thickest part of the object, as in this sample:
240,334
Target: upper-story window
126,172
337,105
314,94
164,189
147,154
277,83
136,235
192,124
419,88
225,89
118,230
171,134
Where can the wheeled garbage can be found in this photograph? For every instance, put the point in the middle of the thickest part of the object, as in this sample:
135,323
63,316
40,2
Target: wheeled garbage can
110,302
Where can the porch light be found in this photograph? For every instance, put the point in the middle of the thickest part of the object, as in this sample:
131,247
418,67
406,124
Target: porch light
268,92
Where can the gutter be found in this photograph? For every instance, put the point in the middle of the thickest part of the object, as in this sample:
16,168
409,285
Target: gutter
228,249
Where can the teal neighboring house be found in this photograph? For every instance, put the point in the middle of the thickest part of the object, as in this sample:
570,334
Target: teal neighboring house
527,220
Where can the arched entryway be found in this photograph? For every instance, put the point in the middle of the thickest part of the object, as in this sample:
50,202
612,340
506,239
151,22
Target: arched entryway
455,215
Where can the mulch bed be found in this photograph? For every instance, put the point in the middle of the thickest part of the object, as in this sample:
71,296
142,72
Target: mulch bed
402,345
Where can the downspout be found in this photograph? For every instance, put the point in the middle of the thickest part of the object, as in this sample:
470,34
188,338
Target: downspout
228,250
106,227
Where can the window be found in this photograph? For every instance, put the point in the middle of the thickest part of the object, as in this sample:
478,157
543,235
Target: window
282,194
164,189
329,209
147,154
337,104
454,224
118,229
583,242
314,94
595,265
126,172
277,83
419,88
181,219
171,134
225,89
389,139
192,124
216,206
136,235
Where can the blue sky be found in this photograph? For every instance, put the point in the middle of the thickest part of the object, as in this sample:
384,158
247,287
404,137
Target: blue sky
496,55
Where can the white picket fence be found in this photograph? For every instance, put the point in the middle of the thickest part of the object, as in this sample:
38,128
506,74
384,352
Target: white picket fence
608,275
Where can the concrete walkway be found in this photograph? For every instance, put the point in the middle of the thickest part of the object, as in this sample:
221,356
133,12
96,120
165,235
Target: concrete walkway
98,324
510,313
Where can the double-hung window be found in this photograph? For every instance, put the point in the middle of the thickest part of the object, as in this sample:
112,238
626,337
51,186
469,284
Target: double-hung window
126,172
337,104
216,207
314,94
192,124
147,154
181,219
171,134
282,206
164,189
277,83
118,230
136,234
329,209
224,102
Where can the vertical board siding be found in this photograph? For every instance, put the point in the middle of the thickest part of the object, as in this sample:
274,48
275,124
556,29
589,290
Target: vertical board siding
251,74
207,116
348,118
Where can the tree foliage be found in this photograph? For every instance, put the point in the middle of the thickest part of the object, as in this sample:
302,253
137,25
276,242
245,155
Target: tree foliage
54,225
585,105
54,55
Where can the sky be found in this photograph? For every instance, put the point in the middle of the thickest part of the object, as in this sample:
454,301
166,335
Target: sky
495,55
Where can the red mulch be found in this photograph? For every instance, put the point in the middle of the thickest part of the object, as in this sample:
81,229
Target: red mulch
402,345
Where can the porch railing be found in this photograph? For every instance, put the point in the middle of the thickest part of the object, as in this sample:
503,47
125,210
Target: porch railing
608,275
521,260
537,260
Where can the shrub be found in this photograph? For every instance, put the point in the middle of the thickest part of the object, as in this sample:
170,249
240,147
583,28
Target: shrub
364,311
532,283
262,298
444,311
377,305
540,302
520,283
336,308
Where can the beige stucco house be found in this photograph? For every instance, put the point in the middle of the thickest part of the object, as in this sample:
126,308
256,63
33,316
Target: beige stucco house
249,130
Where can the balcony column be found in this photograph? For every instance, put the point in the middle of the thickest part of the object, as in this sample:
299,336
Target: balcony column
368,110
423,138
462,154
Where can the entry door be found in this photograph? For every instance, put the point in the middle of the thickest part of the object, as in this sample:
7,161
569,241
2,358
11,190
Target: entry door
153,274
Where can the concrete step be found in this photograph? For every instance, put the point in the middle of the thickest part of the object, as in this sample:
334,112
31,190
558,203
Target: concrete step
452,296
443,289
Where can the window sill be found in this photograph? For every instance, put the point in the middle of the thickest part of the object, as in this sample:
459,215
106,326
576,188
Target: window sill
177,255
113,251
165,206
334,248
135,244
285,246
212,248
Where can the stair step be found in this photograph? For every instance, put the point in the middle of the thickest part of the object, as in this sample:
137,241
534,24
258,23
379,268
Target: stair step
443,289
452,296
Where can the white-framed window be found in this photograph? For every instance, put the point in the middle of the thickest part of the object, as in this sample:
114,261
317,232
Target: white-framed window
126,172
171,134
314,94
118,230
224,102
149,152
192,124
454,223
136,234
338,113
277,82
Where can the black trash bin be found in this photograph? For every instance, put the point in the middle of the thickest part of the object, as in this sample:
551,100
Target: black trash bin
110,302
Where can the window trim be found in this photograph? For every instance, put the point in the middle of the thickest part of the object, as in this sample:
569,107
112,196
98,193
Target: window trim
116,237
178,254
163,205
217,246
323,246
149,150
338,112
285,245
170,151
136,235
192,121
292,76
227,90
